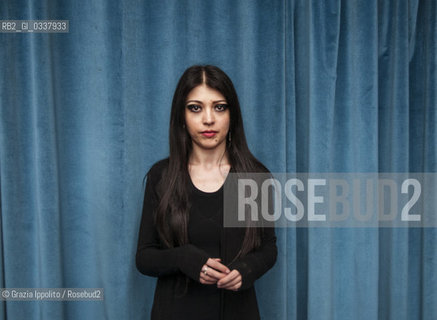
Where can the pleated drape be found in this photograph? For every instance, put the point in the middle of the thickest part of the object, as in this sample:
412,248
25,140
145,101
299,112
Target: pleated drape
325,86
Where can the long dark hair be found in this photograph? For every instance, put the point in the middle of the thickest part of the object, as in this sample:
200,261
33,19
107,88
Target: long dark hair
172,213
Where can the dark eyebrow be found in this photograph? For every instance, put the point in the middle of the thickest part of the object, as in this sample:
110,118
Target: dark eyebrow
197,101
200,102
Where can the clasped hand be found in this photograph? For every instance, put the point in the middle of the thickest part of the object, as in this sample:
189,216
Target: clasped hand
214,272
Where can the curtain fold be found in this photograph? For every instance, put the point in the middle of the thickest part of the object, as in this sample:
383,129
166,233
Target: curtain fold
324,86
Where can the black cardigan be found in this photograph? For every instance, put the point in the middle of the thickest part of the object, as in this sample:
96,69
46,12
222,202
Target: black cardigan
169,265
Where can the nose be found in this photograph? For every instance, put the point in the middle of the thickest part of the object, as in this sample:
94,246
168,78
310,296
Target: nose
208,117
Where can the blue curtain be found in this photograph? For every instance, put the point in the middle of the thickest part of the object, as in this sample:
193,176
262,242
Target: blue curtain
325,86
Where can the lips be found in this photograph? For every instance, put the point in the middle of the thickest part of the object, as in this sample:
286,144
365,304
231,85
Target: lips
209,133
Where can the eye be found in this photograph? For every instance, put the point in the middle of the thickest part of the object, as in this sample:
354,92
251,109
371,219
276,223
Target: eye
221,107
194,107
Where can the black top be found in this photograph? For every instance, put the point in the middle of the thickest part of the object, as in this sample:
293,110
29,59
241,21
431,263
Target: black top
207,239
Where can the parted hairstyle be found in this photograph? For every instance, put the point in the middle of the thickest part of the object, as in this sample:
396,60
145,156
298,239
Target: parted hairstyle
171,216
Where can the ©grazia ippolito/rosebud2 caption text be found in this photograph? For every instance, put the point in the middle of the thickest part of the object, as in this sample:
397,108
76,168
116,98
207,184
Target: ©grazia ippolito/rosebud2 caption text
51,294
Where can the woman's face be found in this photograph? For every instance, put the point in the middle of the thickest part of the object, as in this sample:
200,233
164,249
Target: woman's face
207,117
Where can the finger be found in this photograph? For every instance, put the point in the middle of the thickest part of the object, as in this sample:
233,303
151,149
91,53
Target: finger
229,278
217,265
208,278
230,285
237,286
217,275
211,272
233,288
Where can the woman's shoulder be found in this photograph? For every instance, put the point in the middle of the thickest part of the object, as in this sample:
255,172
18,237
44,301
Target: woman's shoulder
159,166
156,170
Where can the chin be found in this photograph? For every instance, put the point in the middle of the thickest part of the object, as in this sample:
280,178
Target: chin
209,144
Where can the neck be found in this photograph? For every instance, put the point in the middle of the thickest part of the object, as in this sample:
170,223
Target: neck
209,157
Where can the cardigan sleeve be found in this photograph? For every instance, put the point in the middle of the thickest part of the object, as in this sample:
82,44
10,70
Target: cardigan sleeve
257,262
151,258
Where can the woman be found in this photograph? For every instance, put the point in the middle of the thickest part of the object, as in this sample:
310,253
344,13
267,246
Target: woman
205,271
